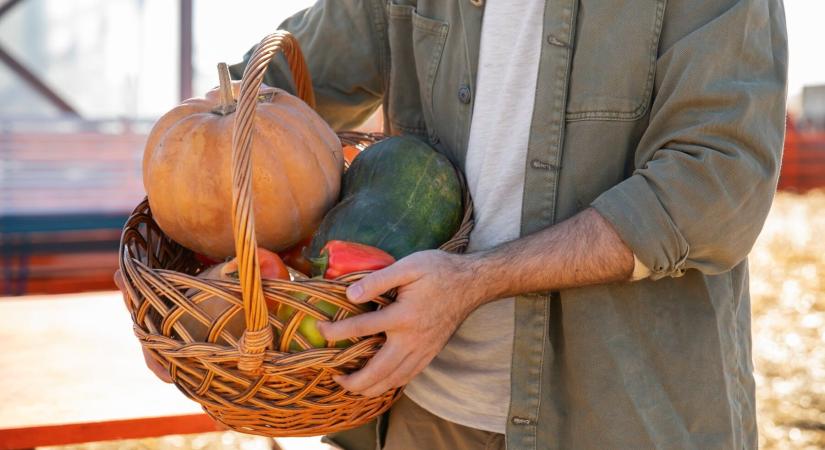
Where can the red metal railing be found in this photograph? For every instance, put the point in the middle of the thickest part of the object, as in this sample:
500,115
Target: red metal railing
803,164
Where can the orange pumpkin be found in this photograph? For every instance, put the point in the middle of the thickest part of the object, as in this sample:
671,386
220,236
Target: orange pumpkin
296,159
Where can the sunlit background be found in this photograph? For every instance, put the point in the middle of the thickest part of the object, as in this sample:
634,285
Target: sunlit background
81,81
120,58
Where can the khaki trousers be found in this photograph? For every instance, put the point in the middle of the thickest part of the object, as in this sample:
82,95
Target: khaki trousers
413,428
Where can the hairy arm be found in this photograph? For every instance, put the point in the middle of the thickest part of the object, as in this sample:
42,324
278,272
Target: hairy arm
438,290
580,251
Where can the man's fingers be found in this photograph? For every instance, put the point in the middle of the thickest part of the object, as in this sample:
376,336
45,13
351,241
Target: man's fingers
378,368
118,279
381,281
401,376
119,283
365,324
156,367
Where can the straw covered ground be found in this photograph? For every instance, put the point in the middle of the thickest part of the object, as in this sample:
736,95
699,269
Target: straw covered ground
788,303
788,300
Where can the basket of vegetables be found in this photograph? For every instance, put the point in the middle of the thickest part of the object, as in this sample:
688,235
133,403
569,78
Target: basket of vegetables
253,227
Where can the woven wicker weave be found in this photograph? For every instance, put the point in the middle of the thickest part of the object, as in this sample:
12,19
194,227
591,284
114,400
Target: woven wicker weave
251,383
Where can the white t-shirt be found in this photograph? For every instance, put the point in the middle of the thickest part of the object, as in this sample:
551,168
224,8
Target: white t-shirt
468,383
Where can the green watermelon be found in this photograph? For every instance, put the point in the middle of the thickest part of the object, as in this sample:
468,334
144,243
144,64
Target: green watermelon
399,195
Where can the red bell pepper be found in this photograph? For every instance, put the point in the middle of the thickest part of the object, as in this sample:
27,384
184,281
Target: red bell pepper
339,258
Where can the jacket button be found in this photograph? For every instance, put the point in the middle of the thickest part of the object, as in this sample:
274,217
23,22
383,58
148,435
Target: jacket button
553,40
537,164
464,94
520,421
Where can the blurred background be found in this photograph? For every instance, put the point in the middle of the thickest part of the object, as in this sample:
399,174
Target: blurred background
82,81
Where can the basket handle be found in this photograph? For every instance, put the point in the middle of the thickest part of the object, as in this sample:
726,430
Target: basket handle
258,334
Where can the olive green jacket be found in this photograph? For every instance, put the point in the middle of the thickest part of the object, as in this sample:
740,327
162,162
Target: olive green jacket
665,116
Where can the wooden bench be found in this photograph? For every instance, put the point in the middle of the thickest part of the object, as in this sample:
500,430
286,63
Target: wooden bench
66,192
76,167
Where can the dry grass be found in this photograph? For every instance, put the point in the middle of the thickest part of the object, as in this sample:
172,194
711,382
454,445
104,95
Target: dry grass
207,441
788,295
788,299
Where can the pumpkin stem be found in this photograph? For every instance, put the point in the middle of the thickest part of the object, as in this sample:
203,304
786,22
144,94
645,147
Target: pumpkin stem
227,105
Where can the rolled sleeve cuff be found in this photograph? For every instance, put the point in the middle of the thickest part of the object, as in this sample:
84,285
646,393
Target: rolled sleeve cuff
644,225
640,270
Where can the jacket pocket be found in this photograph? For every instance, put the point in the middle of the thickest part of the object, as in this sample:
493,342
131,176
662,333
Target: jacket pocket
416,46
614,60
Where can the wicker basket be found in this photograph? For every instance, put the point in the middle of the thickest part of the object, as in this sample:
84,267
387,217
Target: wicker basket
251,383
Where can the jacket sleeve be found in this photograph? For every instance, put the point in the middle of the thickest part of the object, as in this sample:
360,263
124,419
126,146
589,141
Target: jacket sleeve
345,44
706,168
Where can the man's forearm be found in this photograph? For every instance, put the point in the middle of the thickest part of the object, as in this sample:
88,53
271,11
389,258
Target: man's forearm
580,251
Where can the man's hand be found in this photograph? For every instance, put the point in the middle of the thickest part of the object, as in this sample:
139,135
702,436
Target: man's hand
437,291
435,294
153,365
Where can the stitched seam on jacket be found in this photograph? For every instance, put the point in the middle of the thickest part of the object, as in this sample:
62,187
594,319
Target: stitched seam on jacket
428,26
625,116
380,24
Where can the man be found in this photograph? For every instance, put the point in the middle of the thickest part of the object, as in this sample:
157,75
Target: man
622,157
